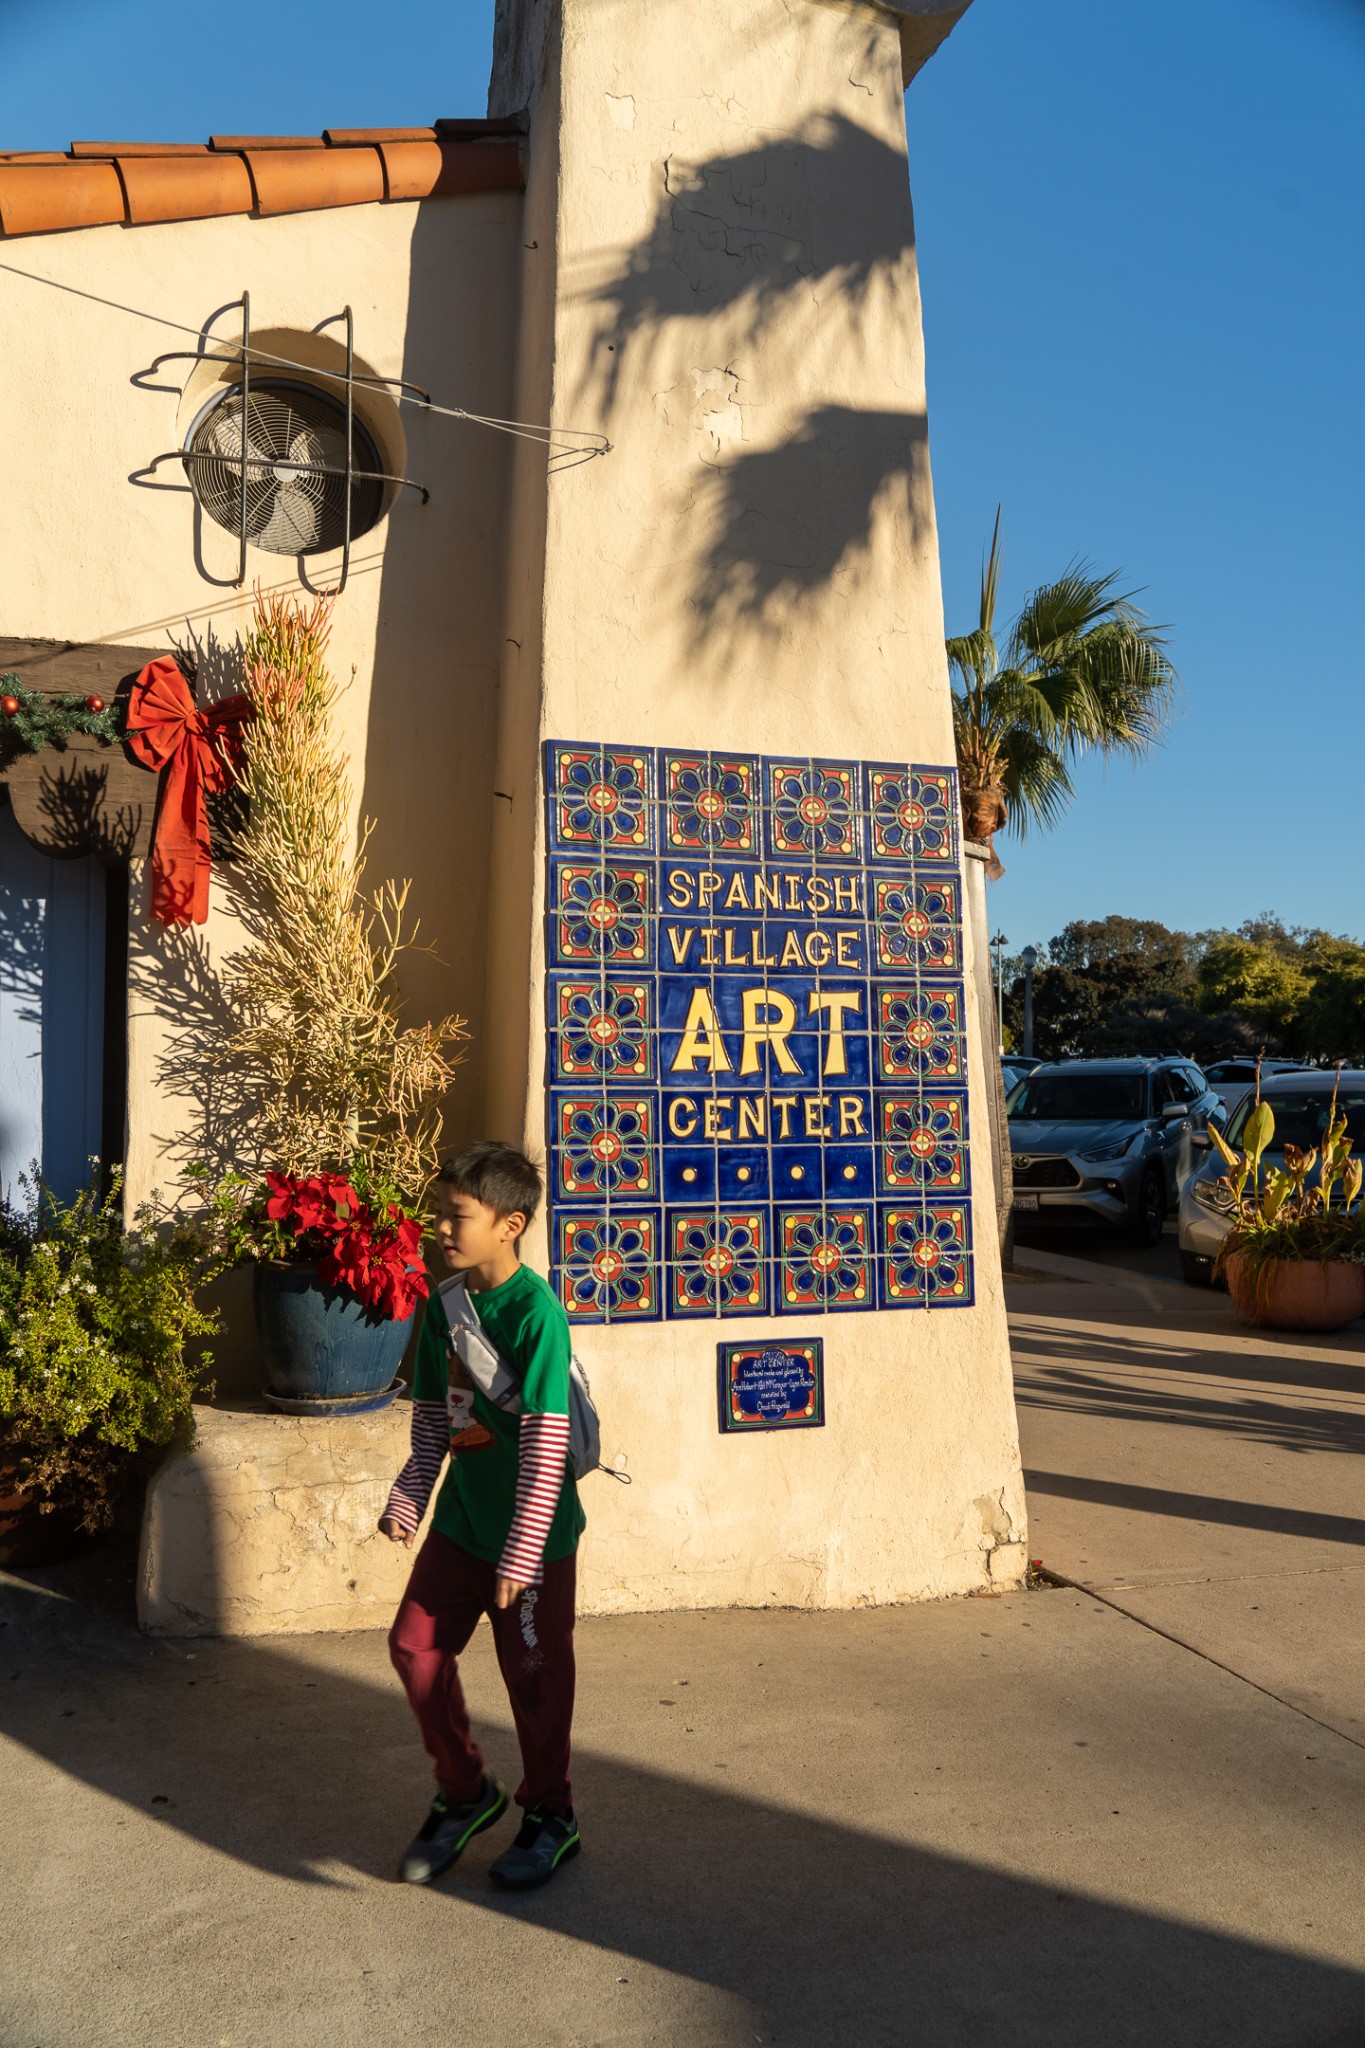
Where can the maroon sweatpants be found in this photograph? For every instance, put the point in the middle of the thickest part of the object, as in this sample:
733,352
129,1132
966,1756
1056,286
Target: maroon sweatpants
448,1591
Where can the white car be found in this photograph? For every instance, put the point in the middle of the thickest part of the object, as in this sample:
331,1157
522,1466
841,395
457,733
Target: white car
1300,1102
1233,1079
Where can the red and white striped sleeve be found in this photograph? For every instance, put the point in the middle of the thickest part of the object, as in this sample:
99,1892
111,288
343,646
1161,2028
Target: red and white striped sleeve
411,1490
542,1450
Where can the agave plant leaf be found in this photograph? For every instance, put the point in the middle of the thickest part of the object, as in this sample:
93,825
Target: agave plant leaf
1232,1158
1260,1129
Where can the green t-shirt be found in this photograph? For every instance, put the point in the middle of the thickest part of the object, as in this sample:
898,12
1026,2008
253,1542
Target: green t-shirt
478,1495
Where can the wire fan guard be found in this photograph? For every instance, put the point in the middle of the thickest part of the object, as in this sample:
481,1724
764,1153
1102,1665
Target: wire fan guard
291,438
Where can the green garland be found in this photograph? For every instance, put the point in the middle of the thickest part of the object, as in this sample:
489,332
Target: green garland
40,721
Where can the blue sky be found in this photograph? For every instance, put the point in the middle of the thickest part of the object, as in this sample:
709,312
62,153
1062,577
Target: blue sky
1139,225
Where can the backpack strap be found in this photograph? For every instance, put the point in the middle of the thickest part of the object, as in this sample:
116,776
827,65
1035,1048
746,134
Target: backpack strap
484,1363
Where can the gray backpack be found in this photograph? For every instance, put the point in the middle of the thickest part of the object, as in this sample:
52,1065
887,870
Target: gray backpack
495,1379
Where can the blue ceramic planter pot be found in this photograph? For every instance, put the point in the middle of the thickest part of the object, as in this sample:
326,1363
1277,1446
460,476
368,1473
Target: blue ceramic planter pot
319,1343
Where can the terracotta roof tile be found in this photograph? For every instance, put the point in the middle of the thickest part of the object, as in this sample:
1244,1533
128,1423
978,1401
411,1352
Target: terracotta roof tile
341,138
240,142
37,199
100,183
110,149
184,188
293,180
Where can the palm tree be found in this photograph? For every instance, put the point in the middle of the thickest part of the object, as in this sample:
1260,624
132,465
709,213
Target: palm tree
1082,668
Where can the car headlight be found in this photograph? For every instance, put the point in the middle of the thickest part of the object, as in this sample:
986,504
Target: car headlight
1213,1194
1111,1151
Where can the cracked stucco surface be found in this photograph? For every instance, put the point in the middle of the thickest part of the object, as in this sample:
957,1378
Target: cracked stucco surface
268,1526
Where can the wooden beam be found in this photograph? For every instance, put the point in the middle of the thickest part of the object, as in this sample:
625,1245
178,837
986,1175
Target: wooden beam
83,798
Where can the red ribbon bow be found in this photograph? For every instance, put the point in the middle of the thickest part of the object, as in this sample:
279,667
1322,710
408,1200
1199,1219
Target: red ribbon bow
201,753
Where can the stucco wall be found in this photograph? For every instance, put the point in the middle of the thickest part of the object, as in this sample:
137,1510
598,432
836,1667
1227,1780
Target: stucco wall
87,555
720,276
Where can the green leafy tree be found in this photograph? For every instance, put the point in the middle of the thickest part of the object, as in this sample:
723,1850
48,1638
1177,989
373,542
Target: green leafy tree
1082,670
1260,982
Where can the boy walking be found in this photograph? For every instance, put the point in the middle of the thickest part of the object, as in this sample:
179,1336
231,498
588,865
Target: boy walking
504,1533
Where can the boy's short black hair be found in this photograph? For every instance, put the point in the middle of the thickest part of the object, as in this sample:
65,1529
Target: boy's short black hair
498,1175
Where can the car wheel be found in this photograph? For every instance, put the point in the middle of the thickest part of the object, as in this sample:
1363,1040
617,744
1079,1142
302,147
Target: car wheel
1196,1271
1151,1212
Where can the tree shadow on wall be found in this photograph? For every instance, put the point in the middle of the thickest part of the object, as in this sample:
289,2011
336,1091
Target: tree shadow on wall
758,245
787,523
753,234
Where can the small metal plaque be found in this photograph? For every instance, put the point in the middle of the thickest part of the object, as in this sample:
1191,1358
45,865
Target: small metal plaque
776,1384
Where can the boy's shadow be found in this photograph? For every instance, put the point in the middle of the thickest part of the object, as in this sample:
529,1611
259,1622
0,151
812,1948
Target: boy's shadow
831,1933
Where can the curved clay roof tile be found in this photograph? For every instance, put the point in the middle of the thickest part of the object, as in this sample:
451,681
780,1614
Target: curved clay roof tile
40,199
294,180
184,188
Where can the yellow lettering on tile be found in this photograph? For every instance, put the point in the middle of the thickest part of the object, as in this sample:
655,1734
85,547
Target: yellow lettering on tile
753,1116
679,889
818,948
679,938
711,1125
816,1127
682,1116
784,1105
834,1003
851,1117
771,1030
735,896
701,1043
792,956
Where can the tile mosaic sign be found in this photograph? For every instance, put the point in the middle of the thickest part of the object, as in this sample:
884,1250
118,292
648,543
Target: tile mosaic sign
756,1035
772,1385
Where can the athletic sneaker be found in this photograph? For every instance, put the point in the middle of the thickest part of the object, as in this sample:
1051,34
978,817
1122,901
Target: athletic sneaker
447,1828
546,1840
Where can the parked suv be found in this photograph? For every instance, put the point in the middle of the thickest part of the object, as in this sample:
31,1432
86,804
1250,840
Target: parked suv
1107,1142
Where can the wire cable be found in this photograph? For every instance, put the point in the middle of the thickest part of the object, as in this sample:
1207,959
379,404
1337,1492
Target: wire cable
567,446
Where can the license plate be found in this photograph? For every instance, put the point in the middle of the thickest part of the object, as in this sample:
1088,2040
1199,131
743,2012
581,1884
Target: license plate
1026,1201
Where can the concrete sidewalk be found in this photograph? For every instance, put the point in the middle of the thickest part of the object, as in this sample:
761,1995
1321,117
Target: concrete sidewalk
1207,1478
1031,1818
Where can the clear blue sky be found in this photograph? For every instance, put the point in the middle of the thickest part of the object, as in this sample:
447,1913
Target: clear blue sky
1140,238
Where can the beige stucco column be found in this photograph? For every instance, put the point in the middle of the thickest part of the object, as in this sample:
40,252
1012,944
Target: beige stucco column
718,275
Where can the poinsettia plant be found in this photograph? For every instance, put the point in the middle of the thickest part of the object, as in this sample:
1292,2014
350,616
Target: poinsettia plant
357,1231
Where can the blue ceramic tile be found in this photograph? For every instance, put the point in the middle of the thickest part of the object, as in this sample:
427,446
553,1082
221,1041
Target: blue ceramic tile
608,1266
754,1016
600,798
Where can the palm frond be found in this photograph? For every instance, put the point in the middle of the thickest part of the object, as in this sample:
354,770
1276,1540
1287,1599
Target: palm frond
1036,783
990,577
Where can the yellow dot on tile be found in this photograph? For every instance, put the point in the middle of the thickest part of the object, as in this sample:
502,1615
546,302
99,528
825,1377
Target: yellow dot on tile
850,1173
798,1173
689,1173
743,1173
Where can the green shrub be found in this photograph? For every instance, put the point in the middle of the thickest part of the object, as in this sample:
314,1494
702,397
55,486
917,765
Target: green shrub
95,1318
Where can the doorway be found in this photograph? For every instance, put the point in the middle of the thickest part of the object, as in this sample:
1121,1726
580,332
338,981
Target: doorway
63,1003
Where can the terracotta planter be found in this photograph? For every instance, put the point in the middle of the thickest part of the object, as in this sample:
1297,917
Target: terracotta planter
1297,1294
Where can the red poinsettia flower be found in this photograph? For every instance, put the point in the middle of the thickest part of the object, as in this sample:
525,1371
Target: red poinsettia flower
379,1269
318,1201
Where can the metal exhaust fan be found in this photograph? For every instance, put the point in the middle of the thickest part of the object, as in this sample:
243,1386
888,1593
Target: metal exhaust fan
282,462
277,452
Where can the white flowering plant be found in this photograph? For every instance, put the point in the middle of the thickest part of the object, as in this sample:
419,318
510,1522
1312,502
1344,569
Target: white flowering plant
97,1320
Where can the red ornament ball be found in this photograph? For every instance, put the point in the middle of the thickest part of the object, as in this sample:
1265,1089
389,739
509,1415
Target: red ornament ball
94,703
9,705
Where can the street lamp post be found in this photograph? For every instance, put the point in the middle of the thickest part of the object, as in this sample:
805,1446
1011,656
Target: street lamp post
999,941
1029,960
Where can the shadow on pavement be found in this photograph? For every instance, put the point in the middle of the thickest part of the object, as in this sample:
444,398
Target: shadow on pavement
1198,1507
833,1934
